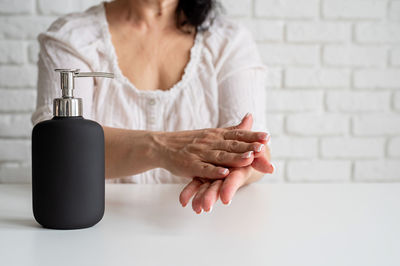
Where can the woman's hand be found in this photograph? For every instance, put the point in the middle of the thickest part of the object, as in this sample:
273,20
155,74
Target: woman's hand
261,159
205,192
199,153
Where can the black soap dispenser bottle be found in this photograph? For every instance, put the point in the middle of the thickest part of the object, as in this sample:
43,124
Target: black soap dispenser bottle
68,162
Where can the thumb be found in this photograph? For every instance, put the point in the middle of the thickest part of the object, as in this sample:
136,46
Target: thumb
246,123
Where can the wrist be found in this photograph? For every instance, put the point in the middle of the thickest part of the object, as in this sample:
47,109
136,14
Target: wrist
156,142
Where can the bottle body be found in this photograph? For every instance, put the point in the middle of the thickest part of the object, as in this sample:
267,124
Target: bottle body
68,173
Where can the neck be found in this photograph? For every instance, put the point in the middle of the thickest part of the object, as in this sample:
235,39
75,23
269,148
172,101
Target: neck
149,13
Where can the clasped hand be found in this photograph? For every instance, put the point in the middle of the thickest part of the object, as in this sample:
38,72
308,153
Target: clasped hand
239,158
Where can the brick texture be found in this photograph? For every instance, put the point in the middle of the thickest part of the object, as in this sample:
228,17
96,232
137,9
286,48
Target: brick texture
17,6
352,55
354,9
394,147
236,8
299,101
286,8
263,32
383,170
395,57
12,52
317,124
378,32
349,101
321,32
333,81
294,147
12,125
317,78
376,125
377,79
394,10
396,101
352,148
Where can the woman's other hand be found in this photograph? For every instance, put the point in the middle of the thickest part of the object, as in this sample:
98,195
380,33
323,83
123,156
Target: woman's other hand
205,192
262,158
208,153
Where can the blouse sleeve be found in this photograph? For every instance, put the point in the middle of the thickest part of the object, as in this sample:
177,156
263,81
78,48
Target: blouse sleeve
241,83
57,54
242,93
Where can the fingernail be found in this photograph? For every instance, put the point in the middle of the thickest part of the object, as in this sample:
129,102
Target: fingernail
223,171
201,210
247,155
210,210
263,136
246,115
229,203
259,148
273,167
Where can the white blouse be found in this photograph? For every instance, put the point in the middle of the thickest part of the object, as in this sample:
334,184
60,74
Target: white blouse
223,80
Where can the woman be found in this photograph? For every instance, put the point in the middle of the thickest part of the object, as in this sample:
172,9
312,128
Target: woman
183,77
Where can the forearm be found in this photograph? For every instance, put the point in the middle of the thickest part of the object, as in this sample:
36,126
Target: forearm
183,153
129,152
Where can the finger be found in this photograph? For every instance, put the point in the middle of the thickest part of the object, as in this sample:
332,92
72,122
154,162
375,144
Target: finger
210,171
188,192
263,165
197,200
246,123
211,195
227,159
237,146
245,135
259,150
232,183
262,162
267,140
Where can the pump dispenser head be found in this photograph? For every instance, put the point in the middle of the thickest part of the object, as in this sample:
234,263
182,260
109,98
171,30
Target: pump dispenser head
68,105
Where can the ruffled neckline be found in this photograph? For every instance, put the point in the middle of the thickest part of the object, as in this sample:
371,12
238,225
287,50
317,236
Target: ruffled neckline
188,71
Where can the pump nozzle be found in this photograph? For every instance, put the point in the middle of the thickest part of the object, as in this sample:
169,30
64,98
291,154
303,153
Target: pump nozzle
68,105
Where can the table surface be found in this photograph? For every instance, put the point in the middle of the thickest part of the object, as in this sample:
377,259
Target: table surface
266,224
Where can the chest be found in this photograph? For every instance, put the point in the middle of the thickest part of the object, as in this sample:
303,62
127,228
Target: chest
152,61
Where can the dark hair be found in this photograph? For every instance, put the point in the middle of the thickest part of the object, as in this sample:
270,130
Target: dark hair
194,12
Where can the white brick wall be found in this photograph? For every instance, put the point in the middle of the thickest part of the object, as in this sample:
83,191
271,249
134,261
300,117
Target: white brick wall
349,101
354,55
333,80
354,9
350,147
309,32
286,8
317,124
394,147
319,170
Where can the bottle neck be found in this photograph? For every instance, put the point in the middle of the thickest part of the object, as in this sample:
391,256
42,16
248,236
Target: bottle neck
67,107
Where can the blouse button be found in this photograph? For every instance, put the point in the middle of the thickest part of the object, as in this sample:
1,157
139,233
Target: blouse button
152,102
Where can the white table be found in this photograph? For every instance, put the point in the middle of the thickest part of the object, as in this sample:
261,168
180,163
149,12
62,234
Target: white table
274,225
